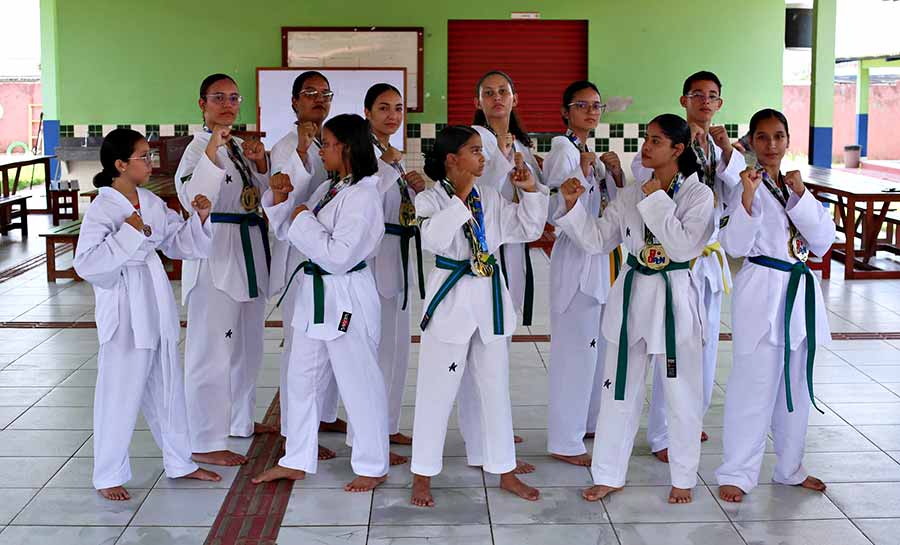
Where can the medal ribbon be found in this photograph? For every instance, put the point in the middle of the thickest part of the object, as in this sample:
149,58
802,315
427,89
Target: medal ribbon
333,190
474,228
707,165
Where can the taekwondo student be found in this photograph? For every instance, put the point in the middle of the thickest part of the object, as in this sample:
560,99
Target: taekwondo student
779,315
653,307
137,320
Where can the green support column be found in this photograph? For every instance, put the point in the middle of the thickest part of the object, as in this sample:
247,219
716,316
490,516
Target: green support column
821,106
862,107
49,78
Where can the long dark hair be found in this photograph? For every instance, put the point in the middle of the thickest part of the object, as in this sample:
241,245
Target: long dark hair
768,113
376,91
352,131
118,145
209,80
515,126
569,94
677,130
449,140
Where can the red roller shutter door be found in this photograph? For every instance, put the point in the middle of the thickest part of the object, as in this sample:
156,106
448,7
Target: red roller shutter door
542,57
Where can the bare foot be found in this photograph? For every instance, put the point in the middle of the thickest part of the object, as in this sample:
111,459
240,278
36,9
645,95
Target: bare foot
116,493
598,492
731,494
275,473
203,475
421,492
523,467
662,455
259,428
589,435
680,495
326,453
364,484
338,426
219,458
400,439
577,460
813,483
397,460
518,439
511,483
703,437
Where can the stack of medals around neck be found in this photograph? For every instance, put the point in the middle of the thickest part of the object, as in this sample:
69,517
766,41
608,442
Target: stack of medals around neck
653,255
250,198
797,245
407,208
707,167
604,190
482,263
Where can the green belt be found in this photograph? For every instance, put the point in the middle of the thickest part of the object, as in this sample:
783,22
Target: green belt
317,272
246,221
797,270
636,266
460,268
406,233
528,304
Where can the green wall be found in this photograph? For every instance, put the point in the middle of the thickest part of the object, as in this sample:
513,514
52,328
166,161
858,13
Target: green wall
130,62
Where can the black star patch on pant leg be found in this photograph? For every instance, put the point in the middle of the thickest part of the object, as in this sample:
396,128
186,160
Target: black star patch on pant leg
593,343
628,231
228,334
607,384
452,368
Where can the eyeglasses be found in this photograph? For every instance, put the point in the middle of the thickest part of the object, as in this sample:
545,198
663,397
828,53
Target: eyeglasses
315,94
222,98
149,158
700,97
588,106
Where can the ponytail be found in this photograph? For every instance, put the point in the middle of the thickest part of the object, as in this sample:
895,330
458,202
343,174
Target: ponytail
118,145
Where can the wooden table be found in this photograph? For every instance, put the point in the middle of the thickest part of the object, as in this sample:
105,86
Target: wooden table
164,188
852,193
10,162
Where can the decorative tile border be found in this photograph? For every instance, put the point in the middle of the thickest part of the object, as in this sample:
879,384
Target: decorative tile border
90,130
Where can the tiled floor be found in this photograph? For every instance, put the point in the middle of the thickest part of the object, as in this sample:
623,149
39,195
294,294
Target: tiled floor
46,394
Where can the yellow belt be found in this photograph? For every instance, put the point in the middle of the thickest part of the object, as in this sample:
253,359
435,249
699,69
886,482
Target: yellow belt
716,248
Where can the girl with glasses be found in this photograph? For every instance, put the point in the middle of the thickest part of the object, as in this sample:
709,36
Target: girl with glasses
137,320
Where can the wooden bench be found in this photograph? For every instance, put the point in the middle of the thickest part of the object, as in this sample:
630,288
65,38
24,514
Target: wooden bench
8,214
64,205
66,234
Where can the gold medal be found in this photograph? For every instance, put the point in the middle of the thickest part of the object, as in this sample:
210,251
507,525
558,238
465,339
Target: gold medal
798,247
654,257
147,231
480,265
407,214
250,198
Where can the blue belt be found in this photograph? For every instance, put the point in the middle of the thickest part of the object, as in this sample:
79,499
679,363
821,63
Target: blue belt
460,268
246,221
796,270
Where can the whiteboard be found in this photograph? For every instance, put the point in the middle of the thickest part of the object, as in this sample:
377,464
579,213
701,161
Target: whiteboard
275,117
350,47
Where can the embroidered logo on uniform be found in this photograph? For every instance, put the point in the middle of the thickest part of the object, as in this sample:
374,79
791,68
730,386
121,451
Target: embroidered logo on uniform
593,343
228,334
607,384
724,221
228,178
345,322
187,178
452,368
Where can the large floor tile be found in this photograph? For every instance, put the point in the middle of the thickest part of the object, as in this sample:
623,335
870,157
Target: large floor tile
858,393
683,533
142,446
548,472
879,531
20,396
453,506
60,535
594,534
41,442
17,472
68,397
55,418
836,439
33,377
9,414
650,504
455,474
802,532
555,506
860,467
171,507
12,500
78,507
867,414
776,502
327,507
46,361
866,500
227,473
78,472
430,535
150,535
885,437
